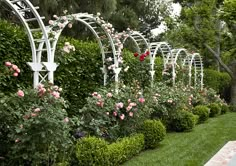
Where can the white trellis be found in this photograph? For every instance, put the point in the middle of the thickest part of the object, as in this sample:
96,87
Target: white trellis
195,61
27,13
103,36
178,59
165,50
141,43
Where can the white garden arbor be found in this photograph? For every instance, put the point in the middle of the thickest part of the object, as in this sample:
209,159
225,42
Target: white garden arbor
42,63
102,31
139,40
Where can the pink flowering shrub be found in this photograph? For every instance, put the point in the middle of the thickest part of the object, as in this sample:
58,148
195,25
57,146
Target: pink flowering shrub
114,115
35,126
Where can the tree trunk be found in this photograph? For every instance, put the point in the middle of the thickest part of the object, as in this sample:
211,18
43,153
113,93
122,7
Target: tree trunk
233,91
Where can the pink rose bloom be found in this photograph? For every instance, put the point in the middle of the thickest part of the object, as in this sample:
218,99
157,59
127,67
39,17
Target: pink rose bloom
33,114
55,16
14,67
69,25
129,108
109,95
120,105
56,94
55,87
66,49
20,93
51,22
100,103
114,113
17,140
133,104
66,120
122,117
94,93
21,126
7,64
40,86
64,18
99,96
37,110
15,74
18,70
141,100
129,100
131,114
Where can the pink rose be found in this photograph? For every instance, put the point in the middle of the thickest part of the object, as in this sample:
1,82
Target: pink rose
56,94
100,103
69,25
109,95
131,114
94,93
129,108
7,64
18,70
66,120
17,140
141,100
15,74
129,100
51,22
20,93
133,104
37,110
122,117
99,96
120,105
14,67
33,114
114,113
21,126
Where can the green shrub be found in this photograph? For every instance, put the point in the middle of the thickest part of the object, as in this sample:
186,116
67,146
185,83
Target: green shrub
216,80
214,109
182,121
92,151
202,111
35,127
154,132
232,108
125,148
224,108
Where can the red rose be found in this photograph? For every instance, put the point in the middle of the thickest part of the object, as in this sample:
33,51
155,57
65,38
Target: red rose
142,57
147,53
135,54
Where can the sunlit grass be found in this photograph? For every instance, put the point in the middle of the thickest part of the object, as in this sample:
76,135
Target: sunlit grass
191,148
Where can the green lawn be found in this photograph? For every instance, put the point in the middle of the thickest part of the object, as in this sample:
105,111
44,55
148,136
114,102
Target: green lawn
191,148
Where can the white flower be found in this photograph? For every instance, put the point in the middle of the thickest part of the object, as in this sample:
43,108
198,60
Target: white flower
126,69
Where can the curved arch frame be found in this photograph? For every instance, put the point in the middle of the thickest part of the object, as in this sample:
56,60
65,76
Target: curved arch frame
36,65
87,20
196,62
166,53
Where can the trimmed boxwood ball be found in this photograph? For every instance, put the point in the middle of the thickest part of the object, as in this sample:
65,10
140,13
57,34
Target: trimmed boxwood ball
92,151
214,109
224,108
202,111
183,121
154,132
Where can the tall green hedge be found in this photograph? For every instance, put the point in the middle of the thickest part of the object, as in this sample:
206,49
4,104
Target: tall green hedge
216,80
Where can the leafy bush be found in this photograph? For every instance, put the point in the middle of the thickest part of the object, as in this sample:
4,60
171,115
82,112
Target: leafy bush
35,127
96,151
154,132
216,80
183,121
214,109
224,108
125,148
92,151
202,111
112,115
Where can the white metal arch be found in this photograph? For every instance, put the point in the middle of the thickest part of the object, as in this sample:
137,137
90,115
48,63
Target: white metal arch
20,7
141,43
165,49
179,57
196,62
100,30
